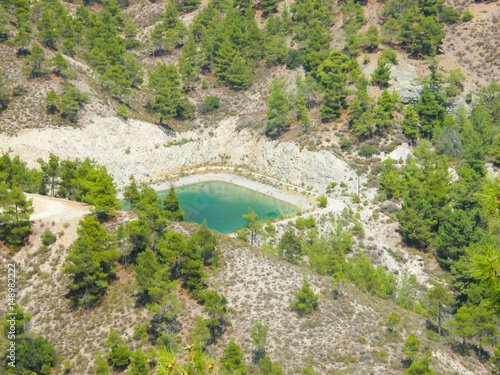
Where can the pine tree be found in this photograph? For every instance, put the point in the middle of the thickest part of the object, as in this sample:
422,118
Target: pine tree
192,269
254,225
165,85
48,30
259,339
23,39
239,74
186,6
153,278
170,31
306,301
382,74
416,220
188,61
411,347
139,363
116,82
354,16
206,244
462,323
215,306
224,58
200,333
37,61
130,29
421,367
101,365
232,360
392,322
269,6
371,38
15,213
60,63
361,118
278,109
290,247
123,112
52,102
332,76
91,262
172,209
438,298
410,124
303,113
332,105
133,71
430,112
50,170
120,353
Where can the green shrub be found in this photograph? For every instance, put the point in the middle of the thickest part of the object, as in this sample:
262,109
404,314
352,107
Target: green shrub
302,223
366,151
449,15
186,110
306,301
345,143
388,55
48,238
467,16
366,58
323,201
132,43
210,104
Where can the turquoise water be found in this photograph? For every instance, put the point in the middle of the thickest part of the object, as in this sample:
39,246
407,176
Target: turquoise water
222,205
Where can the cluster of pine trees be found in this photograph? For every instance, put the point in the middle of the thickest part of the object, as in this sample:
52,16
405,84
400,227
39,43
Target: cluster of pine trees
456,219
224,39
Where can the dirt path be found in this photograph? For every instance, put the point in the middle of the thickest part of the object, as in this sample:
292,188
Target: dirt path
54,209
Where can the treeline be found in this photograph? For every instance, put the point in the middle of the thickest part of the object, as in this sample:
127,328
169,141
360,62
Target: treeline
82,181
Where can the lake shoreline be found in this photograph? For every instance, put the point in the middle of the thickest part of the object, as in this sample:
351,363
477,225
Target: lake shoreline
297,199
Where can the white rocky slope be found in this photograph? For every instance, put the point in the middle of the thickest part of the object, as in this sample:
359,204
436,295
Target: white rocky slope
144,149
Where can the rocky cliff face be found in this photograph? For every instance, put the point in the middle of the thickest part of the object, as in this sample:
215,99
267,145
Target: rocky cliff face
143,149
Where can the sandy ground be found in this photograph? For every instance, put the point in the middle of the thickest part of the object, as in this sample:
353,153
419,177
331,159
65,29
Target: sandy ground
53,209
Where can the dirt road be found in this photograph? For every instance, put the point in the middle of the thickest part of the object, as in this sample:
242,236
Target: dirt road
54,209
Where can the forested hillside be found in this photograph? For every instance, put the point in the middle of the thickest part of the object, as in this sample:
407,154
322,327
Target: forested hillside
383,114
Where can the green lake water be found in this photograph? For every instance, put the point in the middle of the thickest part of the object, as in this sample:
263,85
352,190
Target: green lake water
222,204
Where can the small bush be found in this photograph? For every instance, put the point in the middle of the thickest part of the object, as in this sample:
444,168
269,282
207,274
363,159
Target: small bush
211,103
323,201
366,151
186,110
389,56
345,143
306,301
48,238
467,16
